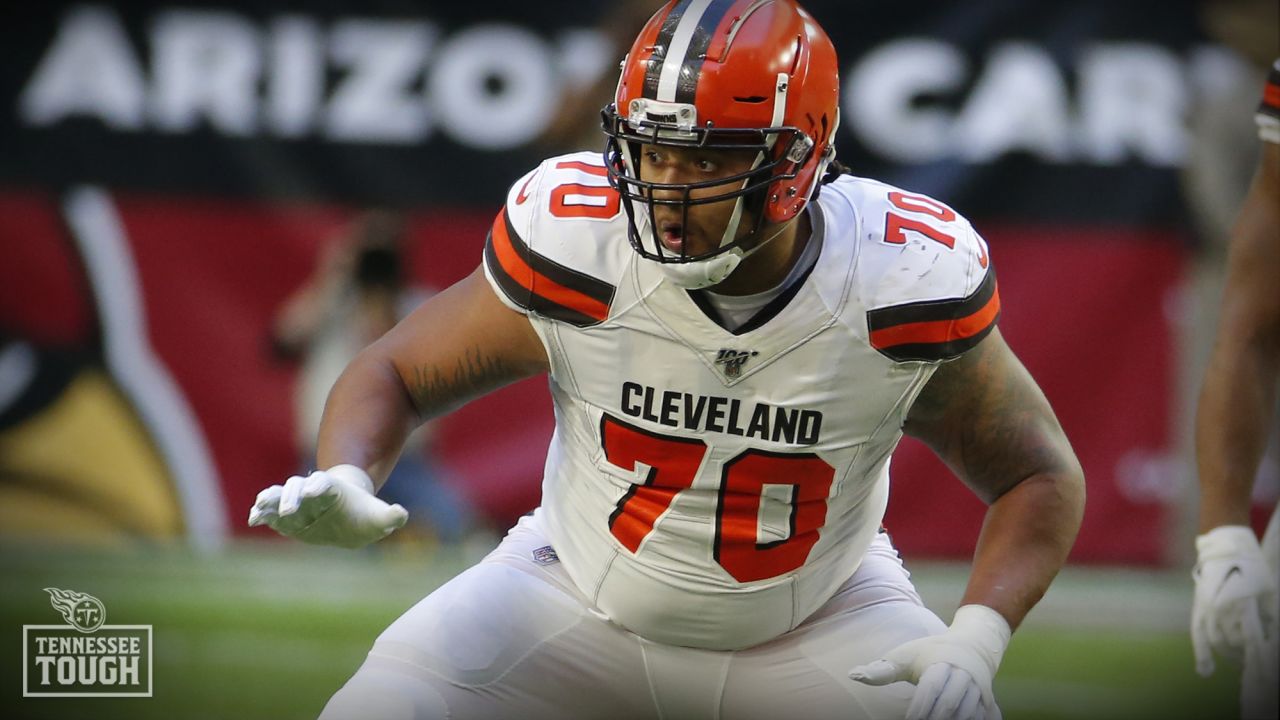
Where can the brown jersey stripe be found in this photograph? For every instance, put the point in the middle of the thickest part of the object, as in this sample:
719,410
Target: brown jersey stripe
537,283
934,310
936,330
939,332
934,352
598,293
517,293
525,298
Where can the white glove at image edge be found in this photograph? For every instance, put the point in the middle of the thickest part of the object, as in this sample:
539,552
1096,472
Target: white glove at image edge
328,507
1233,609
952,671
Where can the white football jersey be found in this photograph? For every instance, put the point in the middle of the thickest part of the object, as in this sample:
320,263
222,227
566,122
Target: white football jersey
709,488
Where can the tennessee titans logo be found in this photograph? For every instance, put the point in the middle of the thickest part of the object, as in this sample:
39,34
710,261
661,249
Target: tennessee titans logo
83,611
731,361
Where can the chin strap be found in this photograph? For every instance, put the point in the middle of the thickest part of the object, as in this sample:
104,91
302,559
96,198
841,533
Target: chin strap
699,274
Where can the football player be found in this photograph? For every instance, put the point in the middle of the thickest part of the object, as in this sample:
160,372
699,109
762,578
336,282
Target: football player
736,336
1236,608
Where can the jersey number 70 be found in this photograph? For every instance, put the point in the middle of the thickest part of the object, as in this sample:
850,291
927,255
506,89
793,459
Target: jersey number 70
673,463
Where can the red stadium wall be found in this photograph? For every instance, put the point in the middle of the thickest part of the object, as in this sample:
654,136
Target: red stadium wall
1086,312
1078,310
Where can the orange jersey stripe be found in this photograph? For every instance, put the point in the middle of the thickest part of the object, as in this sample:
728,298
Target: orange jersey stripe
536,282
939,331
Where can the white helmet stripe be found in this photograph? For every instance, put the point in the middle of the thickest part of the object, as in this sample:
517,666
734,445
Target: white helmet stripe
780,99
674,58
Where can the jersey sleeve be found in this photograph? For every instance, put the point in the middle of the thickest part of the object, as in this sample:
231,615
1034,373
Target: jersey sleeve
926,279
1268,116
539,265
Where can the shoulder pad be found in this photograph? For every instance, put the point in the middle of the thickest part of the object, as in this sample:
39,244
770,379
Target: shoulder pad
923,273
554,247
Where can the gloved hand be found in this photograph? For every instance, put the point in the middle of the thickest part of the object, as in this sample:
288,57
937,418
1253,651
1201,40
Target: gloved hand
1232,613
328,507
952,671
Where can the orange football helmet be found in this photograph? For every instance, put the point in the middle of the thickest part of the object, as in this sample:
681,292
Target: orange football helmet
725,74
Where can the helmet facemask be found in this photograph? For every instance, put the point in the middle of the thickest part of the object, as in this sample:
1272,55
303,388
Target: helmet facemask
778,152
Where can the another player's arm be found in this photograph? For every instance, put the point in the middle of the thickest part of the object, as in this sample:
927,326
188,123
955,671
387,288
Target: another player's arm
1239,393
460,344
303,313
987,419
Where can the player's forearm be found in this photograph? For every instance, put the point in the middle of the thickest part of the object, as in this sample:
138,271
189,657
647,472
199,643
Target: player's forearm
366,418
1017,558
1239,394
1232,422
455,347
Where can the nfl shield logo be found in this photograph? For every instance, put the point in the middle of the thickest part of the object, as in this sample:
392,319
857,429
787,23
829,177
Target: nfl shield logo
545,555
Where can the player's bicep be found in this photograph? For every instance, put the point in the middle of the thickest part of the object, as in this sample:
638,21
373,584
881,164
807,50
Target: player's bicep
460,344
984,416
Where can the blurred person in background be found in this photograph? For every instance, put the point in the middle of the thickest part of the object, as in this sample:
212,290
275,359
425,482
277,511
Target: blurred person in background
1236,610
357,294
729,385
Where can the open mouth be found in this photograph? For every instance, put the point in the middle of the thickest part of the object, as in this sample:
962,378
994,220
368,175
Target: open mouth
672,236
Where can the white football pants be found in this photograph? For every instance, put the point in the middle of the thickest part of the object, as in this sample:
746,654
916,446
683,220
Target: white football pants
512,637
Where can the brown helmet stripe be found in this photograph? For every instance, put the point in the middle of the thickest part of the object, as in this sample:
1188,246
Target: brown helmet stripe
661,45
691,68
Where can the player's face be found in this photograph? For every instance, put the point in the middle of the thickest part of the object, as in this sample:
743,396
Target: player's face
700,231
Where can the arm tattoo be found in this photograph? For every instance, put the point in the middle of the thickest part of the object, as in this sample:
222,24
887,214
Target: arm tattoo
434,392
986,418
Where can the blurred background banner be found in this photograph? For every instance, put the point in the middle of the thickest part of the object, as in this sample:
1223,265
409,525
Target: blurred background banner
171,174
1038,111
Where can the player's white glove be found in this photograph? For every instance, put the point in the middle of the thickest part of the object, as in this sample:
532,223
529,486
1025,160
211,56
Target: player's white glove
328,507
1232,614
952,671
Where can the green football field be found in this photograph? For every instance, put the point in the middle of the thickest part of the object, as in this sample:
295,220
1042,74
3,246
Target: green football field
270,630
